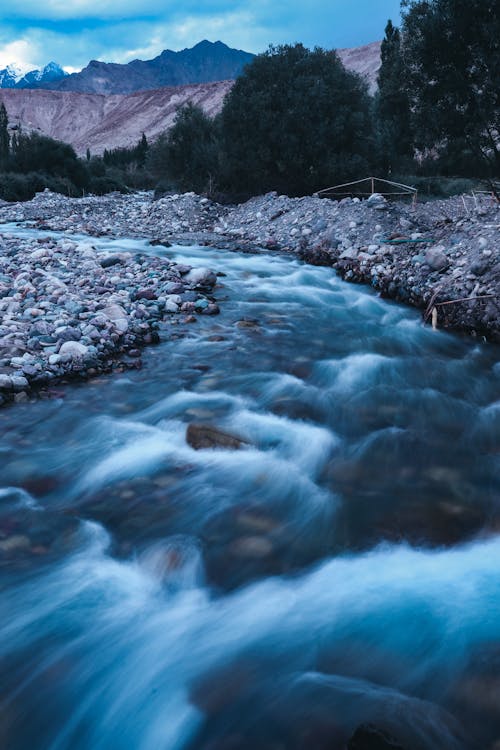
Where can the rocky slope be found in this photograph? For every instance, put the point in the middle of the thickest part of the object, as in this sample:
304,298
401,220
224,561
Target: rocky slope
99,122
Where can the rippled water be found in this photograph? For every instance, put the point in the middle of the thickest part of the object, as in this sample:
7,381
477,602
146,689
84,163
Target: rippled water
343,567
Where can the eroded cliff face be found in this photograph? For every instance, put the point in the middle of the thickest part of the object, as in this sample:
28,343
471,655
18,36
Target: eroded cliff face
97,122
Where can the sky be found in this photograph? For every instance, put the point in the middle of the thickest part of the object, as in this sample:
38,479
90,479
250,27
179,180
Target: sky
72,32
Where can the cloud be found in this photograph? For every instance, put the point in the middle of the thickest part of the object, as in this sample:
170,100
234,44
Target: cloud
19,51
74,31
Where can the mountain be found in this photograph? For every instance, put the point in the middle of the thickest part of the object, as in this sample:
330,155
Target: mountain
13,77
10,76
98,122
204,63
38,78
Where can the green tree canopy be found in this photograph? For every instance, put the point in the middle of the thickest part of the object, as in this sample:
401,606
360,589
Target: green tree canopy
451,51
296,121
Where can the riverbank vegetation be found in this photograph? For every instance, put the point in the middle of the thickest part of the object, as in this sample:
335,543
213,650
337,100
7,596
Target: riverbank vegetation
296,121
32,162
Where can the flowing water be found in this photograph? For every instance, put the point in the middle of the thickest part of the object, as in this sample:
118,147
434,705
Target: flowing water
343,567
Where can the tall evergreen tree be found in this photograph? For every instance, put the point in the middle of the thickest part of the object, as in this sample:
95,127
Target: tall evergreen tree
391,104
4,137
141,151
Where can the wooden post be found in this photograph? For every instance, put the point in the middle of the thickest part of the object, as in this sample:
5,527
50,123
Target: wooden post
373,185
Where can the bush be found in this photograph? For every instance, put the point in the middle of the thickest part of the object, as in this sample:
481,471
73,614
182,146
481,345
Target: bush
104,185
23,187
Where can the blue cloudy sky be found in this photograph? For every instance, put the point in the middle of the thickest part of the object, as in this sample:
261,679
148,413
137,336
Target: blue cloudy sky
72,32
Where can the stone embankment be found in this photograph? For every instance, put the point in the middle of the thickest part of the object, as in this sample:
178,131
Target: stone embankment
67,310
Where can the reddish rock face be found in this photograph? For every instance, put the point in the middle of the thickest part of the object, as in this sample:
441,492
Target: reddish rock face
98,122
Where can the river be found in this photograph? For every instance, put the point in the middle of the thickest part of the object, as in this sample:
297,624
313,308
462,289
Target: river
342,568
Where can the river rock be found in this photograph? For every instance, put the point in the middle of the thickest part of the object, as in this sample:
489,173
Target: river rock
110,260
73,349
436,258
5,383
201,277
118,316
200,436
19,383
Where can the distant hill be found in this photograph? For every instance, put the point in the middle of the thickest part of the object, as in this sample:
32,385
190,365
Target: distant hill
204,63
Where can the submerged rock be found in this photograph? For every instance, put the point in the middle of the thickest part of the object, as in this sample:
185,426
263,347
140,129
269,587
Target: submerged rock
200,436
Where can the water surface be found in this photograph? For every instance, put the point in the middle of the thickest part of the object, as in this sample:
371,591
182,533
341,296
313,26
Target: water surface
343,567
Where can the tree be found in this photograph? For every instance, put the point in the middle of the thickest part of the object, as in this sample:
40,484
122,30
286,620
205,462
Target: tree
141,151
452,68
189,153
296,121
392,107
4,137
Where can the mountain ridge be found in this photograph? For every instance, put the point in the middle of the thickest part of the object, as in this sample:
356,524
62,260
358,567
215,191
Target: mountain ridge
206,62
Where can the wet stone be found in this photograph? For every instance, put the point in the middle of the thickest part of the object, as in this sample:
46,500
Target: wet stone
200,437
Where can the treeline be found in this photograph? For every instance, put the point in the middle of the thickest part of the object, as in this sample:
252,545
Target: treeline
30,162
296,121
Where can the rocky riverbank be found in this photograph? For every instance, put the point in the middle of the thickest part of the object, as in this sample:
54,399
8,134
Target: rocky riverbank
67,310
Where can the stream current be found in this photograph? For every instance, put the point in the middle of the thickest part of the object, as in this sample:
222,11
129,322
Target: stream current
342,568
